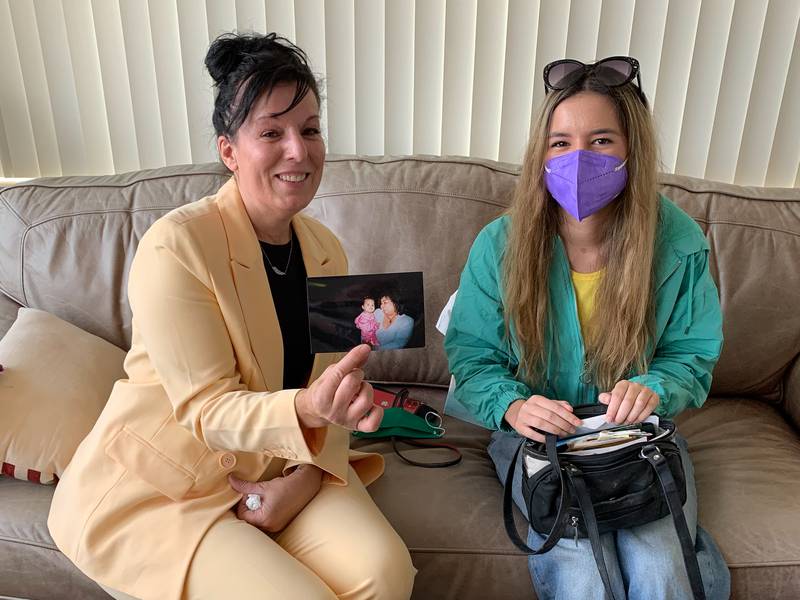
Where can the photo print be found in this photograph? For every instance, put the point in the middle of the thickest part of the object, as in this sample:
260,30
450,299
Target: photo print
386,311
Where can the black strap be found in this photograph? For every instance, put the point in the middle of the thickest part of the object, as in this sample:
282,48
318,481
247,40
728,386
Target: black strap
561,517
655,457
421,444
590,521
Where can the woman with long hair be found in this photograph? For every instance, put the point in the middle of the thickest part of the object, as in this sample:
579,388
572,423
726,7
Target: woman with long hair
591,288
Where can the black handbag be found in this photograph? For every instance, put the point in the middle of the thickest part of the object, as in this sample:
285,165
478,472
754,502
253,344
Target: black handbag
577,496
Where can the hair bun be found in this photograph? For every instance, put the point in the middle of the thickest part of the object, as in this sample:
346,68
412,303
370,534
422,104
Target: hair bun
227,52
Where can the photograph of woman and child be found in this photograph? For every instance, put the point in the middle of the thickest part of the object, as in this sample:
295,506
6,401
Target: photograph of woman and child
384,328
384,310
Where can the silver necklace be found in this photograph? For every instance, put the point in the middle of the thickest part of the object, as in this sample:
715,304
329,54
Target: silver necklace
273,267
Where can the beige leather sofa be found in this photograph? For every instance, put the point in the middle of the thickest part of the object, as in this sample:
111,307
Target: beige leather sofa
421,213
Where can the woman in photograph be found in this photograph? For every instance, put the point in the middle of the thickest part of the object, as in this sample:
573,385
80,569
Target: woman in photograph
220,468
395,328
592,288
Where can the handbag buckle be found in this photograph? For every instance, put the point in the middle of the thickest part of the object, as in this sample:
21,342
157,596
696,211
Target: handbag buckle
651,453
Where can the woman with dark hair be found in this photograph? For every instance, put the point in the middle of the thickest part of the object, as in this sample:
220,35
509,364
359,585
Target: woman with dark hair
395,328
593,288
223,397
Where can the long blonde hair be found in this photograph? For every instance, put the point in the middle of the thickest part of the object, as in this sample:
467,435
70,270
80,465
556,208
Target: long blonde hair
623,320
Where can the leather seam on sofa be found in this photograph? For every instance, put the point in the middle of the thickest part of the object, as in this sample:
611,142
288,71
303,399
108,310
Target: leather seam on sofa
108,211
11,209
746,226
728,190
758,565
96,186
9,295
405,159
24,542
410,191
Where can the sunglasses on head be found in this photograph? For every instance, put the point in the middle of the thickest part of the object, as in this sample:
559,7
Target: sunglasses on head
613,71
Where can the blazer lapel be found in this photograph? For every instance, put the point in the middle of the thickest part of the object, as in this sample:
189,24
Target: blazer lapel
252,287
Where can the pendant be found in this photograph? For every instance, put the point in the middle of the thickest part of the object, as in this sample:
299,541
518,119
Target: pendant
277,270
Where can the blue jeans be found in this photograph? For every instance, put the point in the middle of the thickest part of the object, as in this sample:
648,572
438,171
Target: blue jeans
644,563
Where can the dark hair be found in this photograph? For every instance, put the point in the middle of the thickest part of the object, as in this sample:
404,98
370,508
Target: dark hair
246,66
399,307
365,298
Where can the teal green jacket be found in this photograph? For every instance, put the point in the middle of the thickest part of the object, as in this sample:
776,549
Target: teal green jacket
688,333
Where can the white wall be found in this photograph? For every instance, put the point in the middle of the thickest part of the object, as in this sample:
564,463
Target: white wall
104,86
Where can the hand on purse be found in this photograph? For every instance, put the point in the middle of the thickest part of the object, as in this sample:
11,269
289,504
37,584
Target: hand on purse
537,415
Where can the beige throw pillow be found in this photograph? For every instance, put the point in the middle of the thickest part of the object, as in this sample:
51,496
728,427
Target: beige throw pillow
56,379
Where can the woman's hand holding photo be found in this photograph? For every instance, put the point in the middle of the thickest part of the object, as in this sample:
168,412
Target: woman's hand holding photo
341,396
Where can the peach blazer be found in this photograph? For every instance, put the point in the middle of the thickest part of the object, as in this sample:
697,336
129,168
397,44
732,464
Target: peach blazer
203,398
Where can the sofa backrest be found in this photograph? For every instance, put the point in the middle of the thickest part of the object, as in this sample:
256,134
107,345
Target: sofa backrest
66,246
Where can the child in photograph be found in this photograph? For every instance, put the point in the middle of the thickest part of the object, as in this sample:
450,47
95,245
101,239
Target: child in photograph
367,322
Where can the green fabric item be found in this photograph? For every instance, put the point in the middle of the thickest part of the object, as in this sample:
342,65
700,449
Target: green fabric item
401,423
688,333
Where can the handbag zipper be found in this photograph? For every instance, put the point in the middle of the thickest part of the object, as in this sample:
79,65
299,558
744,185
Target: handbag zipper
574,523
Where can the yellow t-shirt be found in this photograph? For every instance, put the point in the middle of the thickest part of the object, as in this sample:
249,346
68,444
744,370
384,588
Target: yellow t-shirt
586,285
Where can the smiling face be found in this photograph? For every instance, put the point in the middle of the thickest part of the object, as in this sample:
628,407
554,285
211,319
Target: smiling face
369,305
586,121
277,160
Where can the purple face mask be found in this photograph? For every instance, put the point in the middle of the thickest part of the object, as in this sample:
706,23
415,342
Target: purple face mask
583,182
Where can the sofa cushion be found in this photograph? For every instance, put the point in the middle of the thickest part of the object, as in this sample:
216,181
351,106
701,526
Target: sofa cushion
754,234
67,242
56,381
8,313
30,564
748,484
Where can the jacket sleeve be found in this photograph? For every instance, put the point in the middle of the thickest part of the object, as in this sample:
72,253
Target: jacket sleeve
179,323
478,350
689,346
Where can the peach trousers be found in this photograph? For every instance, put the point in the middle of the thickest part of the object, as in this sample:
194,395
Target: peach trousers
340,546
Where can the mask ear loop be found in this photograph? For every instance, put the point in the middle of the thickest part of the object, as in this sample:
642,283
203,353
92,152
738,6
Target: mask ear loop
436,425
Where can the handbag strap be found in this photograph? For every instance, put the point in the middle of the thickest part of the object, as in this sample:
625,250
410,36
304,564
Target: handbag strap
561,516
656,458
590,521
420,444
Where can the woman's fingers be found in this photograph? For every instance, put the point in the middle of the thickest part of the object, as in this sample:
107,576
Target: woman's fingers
617,395
645,404
327,399
242,486
348,392
543,414
629,402
327,386
371,421
359,407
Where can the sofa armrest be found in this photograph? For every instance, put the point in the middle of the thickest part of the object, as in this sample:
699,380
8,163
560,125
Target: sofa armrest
791,402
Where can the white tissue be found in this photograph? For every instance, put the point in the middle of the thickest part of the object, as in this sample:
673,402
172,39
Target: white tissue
444,318
253,501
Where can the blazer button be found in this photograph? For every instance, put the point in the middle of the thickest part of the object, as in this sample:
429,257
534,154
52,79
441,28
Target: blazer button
227,461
